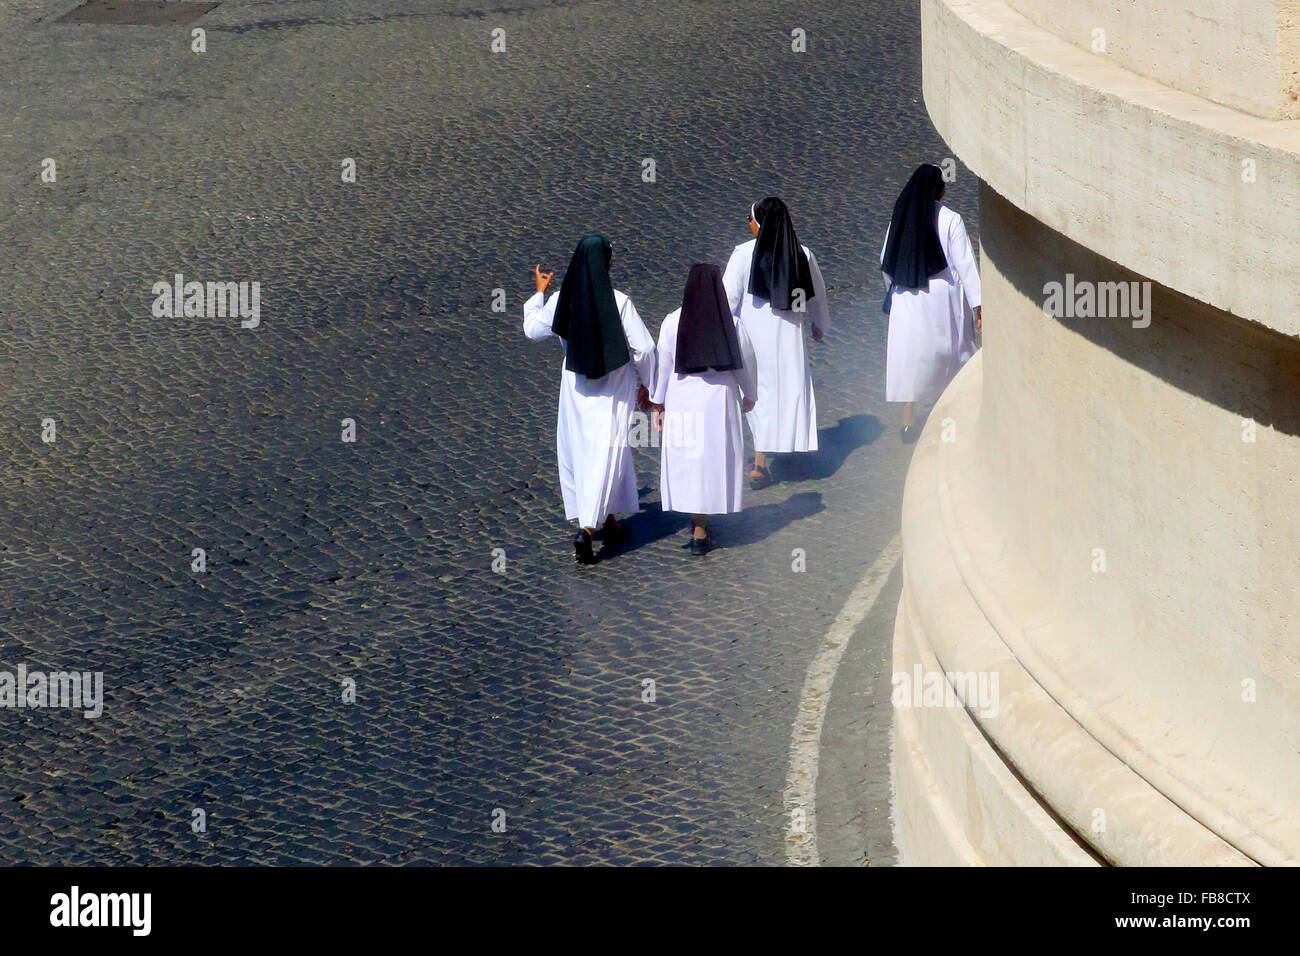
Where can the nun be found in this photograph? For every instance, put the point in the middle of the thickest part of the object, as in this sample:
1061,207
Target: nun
773,285
606,350
933,297
705,380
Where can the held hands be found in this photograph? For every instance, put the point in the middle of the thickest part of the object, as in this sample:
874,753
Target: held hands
542,279
656,411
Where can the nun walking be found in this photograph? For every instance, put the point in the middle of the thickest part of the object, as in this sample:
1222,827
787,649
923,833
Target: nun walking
933,299
705,380
606,350
773,285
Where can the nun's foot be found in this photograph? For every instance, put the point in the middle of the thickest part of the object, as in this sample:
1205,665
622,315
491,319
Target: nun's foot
583,552
909,434
701,546
759,478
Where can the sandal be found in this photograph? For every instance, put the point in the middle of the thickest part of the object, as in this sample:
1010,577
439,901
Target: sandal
759,478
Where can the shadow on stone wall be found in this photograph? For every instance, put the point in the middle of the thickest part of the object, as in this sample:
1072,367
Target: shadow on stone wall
1230,362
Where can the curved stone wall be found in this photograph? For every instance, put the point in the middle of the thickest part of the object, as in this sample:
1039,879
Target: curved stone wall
1196,196
1102,511
1234,53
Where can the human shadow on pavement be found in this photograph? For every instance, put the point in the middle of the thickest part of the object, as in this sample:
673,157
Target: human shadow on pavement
834,445
754,524
645,527
749,526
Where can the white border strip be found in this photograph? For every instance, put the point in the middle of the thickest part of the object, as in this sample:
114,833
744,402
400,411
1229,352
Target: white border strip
806,735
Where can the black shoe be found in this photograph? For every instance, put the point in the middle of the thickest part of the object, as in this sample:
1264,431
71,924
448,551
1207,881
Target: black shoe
582,550
909,434
762,480
700,546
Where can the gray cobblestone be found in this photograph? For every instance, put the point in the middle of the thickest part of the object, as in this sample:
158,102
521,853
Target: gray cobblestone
372,560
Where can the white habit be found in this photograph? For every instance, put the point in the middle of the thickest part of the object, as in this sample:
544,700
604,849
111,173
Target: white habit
597,477
785,416
932,332
702,451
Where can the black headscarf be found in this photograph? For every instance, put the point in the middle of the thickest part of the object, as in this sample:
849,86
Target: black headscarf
779,265
586,316
912,252
706,332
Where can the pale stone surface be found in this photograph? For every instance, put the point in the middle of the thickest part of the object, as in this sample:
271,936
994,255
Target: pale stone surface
1148,176
1130,440
1153,707
963,806
1224,50
973,601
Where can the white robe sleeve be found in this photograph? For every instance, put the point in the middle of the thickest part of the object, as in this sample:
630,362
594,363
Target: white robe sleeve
640,344
734,280
818,308
747,377
539,313
666,359
962,261
888,279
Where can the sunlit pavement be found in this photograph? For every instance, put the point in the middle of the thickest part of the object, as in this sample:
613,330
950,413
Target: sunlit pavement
330,562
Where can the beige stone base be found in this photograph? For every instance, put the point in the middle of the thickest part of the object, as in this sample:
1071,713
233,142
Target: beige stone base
1014,482
956,801
1102,509
1025,786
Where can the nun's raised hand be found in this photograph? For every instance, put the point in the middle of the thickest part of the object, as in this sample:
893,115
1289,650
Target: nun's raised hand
542,279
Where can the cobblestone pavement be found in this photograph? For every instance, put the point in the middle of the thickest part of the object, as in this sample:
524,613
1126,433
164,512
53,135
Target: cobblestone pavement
372,560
